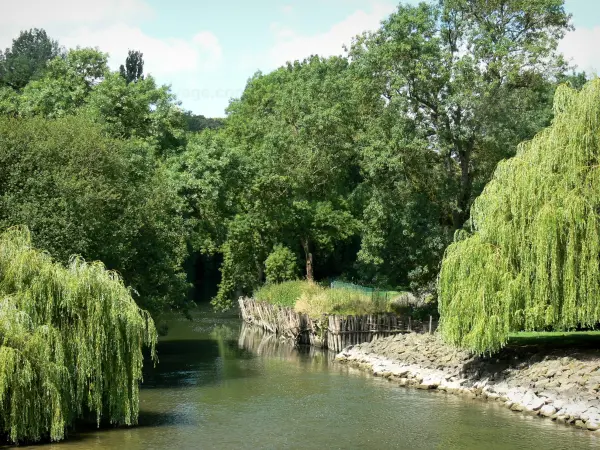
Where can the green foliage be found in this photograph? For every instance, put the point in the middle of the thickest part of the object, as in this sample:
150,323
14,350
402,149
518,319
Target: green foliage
66,84
140,109
133,70
27,58
294,131
197,122
315,300
281,265
447,89
83,193
72,340
284,294
532,262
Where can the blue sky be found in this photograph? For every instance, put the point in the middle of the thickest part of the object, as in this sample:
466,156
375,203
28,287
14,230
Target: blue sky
207,50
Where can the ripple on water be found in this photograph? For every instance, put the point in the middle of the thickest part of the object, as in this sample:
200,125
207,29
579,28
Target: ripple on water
218,389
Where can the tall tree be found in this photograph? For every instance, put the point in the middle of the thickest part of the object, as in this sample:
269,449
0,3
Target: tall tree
296,129
81,192
27,58
459,84
133,70
66,84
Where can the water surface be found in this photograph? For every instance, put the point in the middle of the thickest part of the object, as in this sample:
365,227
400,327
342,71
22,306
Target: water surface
219,386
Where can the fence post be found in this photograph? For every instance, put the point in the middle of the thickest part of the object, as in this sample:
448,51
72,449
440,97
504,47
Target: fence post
430,323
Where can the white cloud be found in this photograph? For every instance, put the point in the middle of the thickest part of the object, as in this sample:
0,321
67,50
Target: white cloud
210,49
114,27
292,46
287,9
73,11
162,57
581,48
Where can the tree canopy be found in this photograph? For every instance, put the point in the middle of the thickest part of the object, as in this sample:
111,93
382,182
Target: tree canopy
27,58
455,86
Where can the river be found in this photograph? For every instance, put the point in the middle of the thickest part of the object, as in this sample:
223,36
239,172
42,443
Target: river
219,386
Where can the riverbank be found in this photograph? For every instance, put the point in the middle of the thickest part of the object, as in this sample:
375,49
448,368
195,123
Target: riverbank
331,331
559,384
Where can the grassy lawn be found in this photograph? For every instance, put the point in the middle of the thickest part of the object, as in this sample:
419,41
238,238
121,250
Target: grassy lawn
589,339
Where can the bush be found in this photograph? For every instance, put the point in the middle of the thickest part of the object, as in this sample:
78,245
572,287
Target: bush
281,265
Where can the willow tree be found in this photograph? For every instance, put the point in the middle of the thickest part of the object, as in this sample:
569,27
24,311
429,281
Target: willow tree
532,262
71,341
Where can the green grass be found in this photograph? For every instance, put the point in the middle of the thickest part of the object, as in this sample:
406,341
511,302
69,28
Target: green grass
285,294
556,338
316,300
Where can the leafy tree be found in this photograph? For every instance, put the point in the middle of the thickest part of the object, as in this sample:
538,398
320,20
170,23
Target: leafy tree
133,70
296,129
532,262
197,122
83,193
209,175
140,109
27,58
66,84
453,86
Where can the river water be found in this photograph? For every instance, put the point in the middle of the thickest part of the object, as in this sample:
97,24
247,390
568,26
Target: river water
223,386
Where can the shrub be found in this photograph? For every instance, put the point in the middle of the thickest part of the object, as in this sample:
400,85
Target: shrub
281,265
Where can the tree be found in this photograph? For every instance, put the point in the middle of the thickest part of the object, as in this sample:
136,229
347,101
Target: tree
281,265
532,261
296,129
27,58
66,85
455,86
197,122
133,70
72,342
141,109
83,193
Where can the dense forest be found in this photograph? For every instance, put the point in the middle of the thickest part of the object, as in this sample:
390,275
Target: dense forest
362,167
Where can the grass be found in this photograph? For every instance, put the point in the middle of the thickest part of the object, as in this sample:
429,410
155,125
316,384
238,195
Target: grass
556,338
316,300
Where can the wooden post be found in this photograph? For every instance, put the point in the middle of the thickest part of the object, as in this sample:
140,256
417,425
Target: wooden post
430,323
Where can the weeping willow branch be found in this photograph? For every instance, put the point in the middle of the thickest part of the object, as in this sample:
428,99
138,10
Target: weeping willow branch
71,341
533,260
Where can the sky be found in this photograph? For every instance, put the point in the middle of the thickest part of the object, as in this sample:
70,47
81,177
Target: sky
207,50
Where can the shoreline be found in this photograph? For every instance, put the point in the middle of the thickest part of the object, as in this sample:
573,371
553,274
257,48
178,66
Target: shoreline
562,385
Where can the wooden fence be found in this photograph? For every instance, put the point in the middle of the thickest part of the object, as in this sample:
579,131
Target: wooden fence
330,331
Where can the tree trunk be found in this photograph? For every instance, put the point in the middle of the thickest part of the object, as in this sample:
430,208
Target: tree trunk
466,184
309,260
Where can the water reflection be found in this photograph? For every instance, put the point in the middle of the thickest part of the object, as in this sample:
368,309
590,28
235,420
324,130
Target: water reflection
265,344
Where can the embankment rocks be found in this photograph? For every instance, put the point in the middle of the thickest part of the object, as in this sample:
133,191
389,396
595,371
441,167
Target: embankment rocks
560,384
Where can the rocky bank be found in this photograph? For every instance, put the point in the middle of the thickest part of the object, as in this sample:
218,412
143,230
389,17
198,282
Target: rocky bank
562,384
